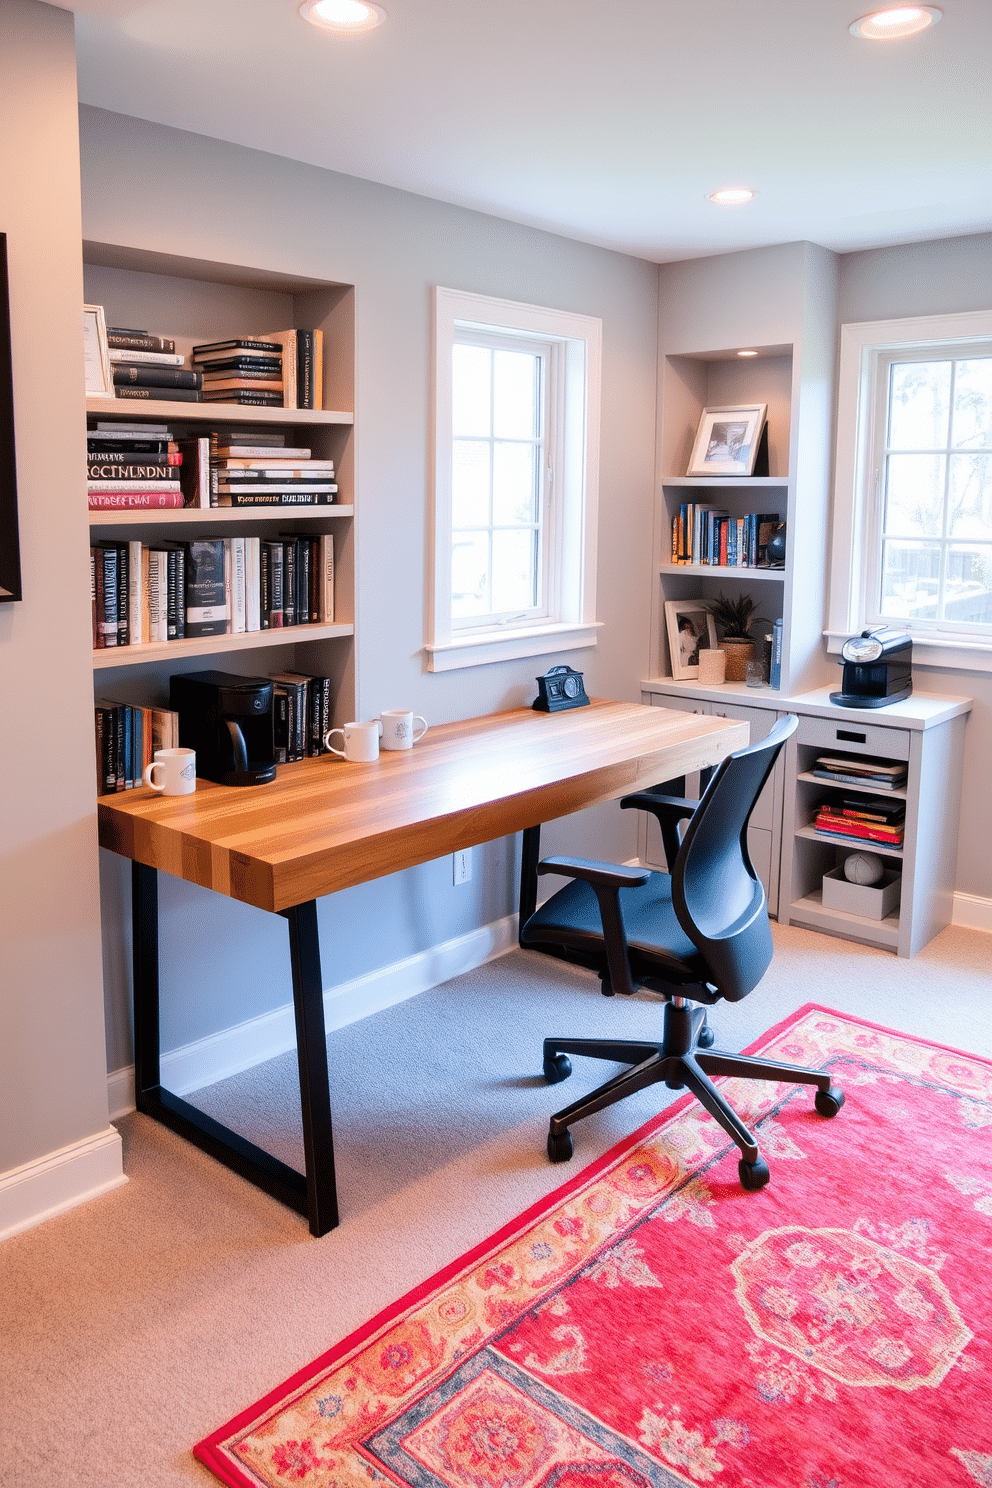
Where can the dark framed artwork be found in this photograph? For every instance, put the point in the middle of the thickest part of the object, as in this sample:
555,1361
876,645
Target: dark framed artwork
10,555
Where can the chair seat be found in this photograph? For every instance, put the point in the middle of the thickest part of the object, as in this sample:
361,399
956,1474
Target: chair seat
571,917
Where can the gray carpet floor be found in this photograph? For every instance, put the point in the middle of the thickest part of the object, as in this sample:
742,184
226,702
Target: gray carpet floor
136,1324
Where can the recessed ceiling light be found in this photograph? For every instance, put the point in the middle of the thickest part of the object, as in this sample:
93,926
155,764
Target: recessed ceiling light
731,196
343,15
747,353
901,20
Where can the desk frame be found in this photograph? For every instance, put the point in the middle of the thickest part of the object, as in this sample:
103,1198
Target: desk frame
154,833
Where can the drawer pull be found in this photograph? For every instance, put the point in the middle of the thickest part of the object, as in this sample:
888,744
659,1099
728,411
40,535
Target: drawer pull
851,736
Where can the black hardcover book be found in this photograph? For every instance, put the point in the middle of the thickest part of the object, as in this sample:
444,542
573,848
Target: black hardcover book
274,550
282,722
98,471
264,587
107,723
161,394
123,594
239,344
129,456
206,592
302,497
106,596
121,339
109,448
248,397
176,612
234,364
304,613
289,582
141,375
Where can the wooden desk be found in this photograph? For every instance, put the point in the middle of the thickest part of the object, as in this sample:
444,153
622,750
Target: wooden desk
325,824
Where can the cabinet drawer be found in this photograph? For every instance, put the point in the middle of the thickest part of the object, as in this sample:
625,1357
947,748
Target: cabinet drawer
850,737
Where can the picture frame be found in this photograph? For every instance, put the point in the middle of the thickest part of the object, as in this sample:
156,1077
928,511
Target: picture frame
691,629
96,356
10,553
727,440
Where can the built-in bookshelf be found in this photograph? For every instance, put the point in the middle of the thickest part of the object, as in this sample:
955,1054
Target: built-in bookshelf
193,302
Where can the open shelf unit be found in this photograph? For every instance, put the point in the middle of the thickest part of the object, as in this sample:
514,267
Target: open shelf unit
197,301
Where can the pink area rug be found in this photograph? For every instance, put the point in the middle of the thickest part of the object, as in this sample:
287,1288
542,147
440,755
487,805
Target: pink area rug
651,1323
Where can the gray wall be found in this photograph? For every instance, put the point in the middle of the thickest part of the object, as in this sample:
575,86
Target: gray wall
939,278
53,1090
241,206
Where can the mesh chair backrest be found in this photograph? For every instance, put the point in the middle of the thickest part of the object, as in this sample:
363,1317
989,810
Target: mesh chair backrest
716,894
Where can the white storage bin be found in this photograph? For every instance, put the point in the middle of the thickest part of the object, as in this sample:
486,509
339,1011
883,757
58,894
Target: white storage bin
873,901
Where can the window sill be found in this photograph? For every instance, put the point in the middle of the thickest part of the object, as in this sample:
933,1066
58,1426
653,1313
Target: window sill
929,651
480,650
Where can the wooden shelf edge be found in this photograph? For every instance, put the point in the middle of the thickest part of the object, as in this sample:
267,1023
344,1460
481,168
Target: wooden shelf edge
183,516
126,410
215,645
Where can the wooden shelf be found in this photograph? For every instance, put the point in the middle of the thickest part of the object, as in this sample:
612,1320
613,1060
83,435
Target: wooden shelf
213,515
291,635
722,571
126,410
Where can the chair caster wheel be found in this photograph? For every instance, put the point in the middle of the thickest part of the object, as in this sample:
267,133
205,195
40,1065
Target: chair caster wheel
753,1175
707,1038
557,1067
560,1146
829,1102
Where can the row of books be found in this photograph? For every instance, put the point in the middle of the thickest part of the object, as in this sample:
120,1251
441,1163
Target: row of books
284,370
143,467
864,818
709,535
127,736
858,770
142,593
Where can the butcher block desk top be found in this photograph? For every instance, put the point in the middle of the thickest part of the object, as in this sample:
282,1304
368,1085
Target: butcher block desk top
325,824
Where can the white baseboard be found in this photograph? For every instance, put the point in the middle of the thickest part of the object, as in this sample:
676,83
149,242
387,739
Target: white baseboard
59,1181
238,1048
972,912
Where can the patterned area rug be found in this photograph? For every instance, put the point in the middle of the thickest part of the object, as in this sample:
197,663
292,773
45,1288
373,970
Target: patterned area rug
653,1323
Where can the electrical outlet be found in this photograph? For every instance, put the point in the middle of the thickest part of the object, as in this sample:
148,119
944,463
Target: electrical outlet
461,866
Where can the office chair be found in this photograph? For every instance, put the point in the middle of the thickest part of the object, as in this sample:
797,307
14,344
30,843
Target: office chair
698,934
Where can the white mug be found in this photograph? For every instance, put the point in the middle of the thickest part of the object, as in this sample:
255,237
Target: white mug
398,728
361,741
177,769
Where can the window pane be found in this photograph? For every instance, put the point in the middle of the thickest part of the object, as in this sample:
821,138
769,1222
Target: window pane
469,483
516,377
973,404
514,484
914,496
968,585
970,512
910,580
471,372
919,405
514,570
470,574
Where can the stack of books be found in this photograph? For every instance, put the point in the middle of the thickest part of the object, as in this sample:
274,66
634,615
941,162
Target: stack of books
256,468
149,367
126,740
244,370
301,715
132,466
864,818
857,770
710,536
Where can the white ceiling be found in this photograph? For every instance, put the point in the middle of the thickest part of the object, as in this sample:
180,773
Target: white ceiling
606,120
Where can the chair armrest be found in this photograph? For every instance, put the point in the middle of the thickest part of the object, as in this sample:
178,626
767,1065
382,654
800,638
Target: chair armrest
607,875
606,880
670,812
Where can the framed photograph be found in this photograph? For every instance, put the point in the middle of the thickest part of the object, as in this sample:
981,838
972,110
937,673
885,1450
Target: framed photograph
690,630
727,440
10,553
96,357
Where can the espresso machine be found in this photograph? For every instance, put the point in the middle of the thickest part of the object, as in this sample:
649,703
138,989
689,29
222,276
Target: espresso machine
228,721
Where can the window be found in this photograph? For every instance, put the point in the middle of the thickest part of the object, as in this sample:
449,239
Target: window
516,443
913,503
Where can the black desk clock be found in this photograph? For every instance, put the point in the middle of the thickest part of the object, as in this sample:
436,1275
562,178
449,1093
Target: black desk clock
560,688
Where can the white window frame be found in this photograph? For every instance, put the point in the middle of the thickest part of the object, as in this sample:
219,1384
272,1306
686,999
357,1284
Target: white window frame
866,350
573,454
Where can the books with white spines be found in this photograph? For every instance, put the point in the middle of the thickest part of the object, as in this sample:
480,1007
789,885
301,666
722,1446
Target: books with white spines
158,594
237,601
247,452
150,358
325,588
301,465
136,594
253,619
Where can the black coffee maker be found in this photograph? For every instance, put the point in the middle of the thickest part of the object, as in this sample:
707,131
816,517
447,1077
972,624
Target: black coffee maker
228,721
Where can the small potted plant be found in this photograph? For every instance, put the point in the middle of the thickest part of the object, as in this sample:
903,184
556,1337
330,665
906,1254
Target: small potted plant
734,619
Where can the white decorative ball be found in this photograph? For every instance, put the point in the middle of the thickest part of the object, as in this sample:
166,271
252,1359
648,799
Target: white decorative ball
864,868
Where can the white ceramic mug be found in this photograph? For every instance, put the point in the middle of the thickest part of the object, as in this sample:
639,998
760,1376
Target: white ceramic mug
398,728
361,741
177,771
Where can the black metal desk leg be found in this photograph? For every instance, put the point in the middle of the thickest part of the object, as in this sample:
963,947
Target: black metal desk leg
311,1049
530,855
144,953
